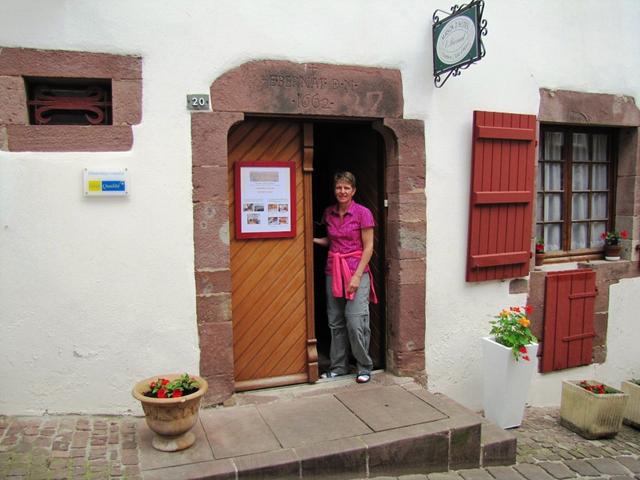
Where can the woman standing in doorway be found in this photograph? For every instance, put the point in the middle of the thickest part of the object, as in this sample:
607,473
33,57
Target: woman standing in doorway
348,281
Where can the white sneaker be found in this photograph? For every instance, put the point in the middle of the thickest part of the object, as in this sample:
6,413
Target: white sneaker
329,375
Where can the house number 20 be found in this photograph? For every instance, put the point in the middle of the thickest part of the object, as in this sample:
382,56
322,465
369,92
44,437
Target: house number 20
198,102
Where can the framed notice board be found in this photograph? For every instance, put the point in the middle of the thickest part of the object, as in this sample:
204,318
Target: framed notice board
265,199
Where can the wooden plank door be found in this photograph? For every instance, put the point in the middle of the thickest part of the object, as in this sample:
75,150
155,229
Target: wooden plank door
271,309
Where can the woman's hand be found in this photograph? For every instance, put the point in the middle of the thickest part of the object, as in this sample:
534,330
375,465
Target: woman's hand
354,284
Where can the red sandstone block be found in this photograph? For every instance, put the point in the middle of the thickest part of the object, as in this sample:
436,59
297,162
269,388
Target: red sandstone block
408,307
216,281
13,101
406,240
60,63
216,349
407,207
407,271
209,132
214,307
127,101
211,236
68,138
210,184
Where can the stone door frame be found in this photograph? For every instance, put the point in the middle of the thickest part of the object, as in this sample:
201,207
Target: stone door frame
309,91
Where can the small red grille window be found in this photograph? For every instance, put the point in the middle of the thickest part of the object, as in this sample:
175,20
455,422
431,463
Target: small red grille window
68,101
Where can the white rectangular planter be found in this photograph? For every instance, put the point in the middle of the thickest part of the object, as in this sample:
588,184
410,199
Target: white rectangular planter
591,415
506,382
632,411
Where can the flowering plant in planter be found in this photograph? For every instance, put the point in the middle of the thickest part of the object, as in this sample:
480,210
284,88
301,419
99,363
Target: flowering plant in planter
511,329
163,388
597,388
539,245
613,237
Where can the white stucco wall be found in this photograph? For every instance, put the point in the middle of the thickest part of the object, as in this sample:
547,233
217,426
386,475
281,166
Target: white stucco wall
98,293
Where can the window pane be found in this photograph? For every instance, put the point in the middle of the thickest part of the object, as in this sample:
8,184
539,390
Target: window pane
580,176
539,231
552,207
540,207
552,237
599,177
596,230
580,206
580,147
599,148
553,145
599,206
552,176
578,235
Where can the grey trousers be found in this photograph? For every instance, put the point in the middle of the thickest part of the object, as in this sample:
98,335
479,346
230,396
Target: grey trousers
349,325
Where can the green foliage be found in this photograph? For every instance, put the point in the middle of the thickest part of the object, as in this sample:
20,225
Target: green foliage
511,329
163,388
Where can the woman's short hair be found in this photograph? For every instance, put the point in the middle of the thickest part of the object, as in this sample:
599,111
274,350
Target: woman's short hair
346,177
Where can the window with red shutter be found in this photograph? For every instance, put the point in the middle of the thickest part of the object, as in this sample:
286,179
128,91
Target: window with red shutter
500,214
568,319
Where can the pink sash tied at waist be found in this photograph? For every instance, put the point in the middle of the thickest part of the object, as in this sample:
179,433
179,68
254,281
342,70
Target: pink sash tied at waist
341,276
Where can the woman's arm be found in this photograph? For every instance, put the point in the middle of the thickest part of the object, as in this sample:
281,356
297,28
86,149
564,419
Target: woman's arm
323,242
367,252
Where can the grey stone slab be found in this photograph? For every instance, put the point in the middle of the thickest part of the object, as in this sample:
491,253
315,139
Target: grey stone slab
475,474
532,472
305,421
504,473
389,407
630,463
443,476
412,477
345,458
150,458
582,467
608,466
237,431
280,464
409,450
216,469
558,470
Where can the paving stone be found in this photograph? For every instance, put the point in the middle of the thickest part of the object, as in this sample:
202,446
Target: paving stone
558,470
532,472
437,476
504,473
475,474
608,466
412,477
582,467
631,463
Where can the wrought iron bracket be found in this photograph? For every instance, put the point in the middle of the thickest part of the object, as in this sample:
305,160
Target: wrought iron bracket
443,74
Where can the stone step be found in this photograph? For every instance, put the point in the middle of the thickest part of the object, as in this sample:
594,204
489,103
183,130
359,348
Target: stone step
381,430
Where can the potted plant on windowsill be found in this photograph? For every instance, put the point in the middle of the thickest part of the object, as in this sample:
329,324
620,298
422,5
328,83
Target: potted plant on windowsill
509,360
632,411
591,409
612,245
539,252
171,404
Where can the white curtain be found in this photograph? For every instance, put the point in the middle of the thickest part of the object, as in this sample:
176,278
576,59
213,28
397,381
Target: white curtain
578,235
596,230
599,148
552,238
580,147
553,145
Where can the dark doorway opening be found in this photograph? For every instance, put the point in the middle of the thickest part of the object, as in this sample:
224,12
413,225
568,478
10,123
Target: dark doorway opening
358,148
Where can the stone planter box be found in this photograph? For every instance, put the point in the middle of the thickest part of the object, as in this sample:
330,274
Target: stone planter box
591,415
632,411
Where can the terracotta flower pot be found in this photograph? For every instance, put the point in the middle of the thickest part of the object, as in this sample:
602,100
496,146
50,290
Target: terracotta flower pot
612,252
171,419
632,411
589,414
539,259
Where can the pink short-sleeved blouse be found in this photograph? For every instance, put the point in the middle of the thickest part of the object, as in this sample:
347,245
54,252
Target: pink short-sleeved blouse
345,235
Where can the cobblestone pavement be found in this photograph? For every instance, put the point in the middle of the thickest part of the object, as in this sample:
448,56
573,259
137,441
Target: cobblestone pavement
93,447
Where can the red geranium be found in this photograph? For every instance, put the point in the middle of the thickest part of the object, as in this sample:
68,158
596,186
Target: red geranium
165,388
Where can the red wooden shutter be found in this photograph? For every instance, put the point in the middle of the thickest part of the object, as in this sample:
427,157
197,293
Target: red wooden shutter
568,319
500,215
